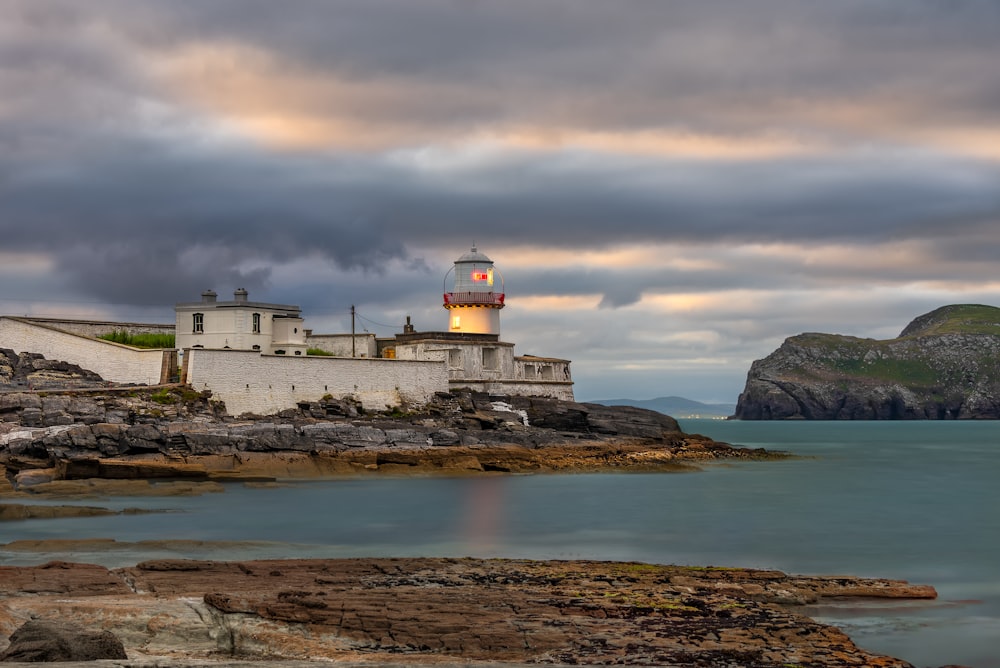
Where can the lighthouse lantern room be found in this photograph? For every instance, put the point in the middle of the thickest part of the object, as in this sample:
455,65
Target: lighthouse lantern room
476,296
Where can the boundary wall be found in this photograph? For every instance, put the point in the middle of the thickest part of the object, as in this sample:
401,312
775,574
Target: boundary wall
249,382
340,344
112,361
521,388
97,327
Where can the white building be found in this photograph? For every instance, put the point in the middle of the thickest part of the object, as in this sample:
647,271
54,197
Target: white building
474,303
239,324
471,347
253,355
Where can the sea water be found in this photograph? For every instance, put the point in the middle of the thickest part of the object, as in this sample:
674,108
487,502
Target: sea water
911,500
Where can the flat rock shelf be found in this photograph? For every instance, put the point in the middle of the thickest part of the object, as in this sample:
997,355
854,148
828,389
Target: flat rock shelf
446,611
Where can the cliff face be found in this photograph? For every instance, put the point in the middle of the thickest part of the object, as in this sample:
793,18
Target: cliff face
943,365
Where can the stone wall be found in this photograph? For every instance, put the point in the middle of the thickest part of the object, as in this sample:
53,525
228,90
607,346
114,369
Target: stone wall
520,388
478,360
95,328
340,344
249,382
490,366
112,361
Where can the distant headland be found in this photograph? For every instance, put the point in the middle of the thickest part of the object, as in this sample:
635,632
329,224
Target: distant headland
944,365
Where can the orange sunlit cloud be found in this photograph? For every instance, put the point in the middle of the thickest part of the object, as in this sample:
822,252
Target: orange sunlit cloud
693,302
18,263
278,105
275,103
659,256
558,302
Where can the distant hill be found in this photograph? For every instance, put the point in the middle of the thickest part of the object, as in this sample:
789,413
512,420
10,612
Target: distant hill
944,365
677,407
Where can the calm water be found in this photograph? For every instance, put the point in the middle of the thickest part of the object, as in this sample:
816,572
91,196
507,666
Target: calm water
917,501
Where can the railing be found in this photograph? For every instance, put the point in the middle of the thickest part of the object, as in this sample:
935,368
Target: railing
487,298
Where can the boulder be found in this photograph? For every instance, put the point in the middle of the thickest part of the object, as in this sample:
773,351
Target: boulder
31,477
42,640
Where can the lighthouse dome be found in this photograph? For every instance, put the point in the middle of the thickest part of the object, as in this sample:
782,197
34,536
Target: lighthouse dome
474,256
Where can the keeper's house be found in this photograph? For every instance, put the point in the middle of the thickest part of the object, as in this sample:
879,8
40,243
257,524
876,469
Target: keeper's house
240,324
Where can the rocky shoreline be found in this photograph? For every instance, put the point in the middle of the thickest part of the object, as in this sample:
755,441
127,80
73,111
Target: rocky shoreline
447,611
79,444
172,440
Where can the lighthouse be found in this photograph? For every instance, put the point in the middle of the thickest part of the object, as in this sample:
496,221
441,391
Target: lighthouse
476,296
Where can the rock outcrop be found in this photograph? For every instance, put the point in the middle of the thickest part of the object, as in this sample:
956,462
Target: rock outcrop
152,440
33,371
52,640
450,611
944,365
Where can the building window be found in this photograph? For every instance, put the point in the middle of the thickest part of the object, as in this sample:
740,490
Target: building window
256,323
456,322
198,323
455,358
547,371
529,371
490,358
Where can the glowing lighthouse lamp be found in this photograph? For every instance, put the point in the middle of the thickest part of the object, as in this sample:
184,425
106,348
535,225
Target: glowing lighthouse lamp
474,303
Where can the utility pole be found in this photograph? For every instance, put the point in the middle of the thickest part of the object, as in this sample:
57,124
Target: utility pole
353,350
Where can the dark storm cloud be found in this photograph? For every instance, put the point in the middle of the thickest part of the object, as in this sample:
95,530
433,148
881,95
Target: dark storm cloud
721,64
362,212
113,171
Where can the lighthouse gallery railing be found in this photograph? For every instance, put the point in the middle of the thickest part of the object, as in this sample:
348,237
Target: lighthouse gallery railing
488,298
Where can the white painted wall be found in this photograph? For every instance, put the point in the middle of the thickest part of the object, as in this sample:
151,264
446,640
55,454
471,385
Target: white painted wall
112,361
466,362
474,319
541,368
95,328
340,344
520,388
288,335
465,359
249,382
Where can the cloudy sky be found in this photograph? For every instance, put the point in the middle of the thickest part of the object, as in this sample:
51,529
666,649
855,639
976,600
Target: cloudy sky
669,187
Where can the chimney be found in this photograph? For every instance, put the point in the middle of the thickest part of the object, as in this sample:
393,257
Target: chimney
208,296
408,328
241,295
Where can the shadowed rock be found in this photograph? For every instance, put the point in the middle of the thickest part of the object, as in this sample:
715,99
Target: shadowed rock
40,640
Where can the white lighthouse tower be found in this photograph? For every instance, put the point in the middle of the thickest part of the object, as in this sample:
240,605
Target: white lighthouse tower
476,297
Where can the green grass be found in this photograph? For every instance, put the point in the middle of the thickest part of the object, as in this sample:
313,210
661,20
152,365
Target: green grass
173,395
140,340
910,371
962,319
848,358
318,351
163,396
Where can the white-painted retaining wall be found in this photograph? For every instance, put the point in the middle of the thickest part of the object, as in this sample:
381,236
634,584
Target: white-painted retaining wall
340,345
519,388
112,361
95,328
249,382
